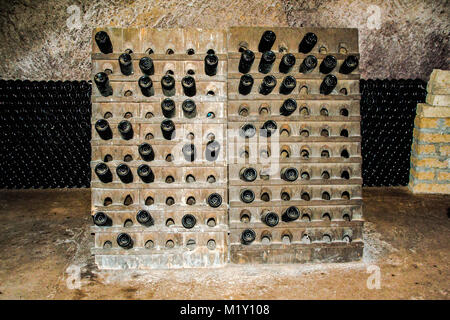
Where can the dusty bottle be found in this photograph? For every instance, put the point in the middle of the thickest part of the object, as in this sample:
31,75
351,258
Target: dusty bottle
145,173
328,84
211,63
308,64
292,213
266,62
328,64
269,218
126,64
287,63
188,84
124,173
103,129
124,240
146,66
308,42
289,174
246,61
248,236
350,63
267,40
102,81
144,218
146,85
168,107
101,219
189,108
268,128
103,42
103,173
288,85
168,129
288,107
214,200
248,174
125,129
168,85
146,152
188,221
246,84
267,85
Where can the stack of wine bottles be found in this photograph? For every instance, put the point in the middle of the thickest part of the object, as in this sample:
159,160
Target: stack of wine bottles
45,136
388,109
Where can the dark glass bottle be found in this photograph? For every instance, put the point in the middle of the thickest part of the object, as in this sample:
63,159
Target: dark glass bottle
247,130
103,173
146,85
288,107
168,108
146,65
291,214
126,64
188,221
125,129
145,173
246,61
328,64
246,84
212,150
288,85
247,196
248,236
168,85
103,129
102,81
189,152
268,128
308,64
144,218
350,63
308,42
168,129
328,84
211,63
189,108
124,240
103,42
267,40
124,173
287,63
214,200
270,218
266,62
188,84
101,219
289,174
248,174
267,85
146,152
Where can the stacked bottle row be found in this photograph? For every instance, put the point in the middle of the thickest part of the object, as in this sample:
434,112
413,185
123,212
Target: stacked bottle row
159,179
388,109
45,136
294,159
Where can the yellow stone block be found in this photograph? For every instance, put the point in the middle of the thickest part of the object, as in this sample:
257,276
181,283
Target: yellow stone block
421,122
431,137
444,176
439,82
429,111
424,148
444,150
429,163
430,188
427,175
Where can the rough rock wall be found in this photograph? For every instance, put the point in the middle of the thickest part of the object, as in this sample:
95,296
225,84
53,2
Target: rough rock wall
50,39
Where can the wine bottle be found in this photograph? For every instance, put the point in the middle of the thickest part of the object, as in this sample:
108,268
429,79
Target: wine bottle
103,42
308,64
103,129
247,196
288,107
146,152
103,85
168,108
145,173
144,218
266,62
289,174
188,84
188,221
246,61
214,200
245,84
267,85
248,174
267,40
212,150
269,218
211,63
291,214
287,63
248,236
103,173
124,173
101,219
126,64
146,85
328,84
328,64
308,42
168,85
189,152
125,129
124,240
288,85
146,65
189,108
247,130
268,128
350,63
168,129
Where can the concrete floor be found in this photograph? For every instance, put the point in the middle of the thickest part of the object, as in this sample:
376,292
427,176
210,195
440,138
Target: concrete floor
44,236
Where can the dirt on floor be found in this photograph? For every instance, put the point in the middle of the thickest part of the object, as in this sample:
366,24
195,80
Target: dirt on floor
45,241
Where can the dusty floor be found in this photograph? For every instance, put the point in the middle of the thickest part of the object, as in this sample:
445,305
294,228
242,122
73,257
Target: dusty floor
44,235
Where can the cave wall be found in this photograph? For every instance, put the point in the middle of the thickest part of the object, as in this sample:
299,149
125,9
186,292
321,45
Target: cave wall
49,39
